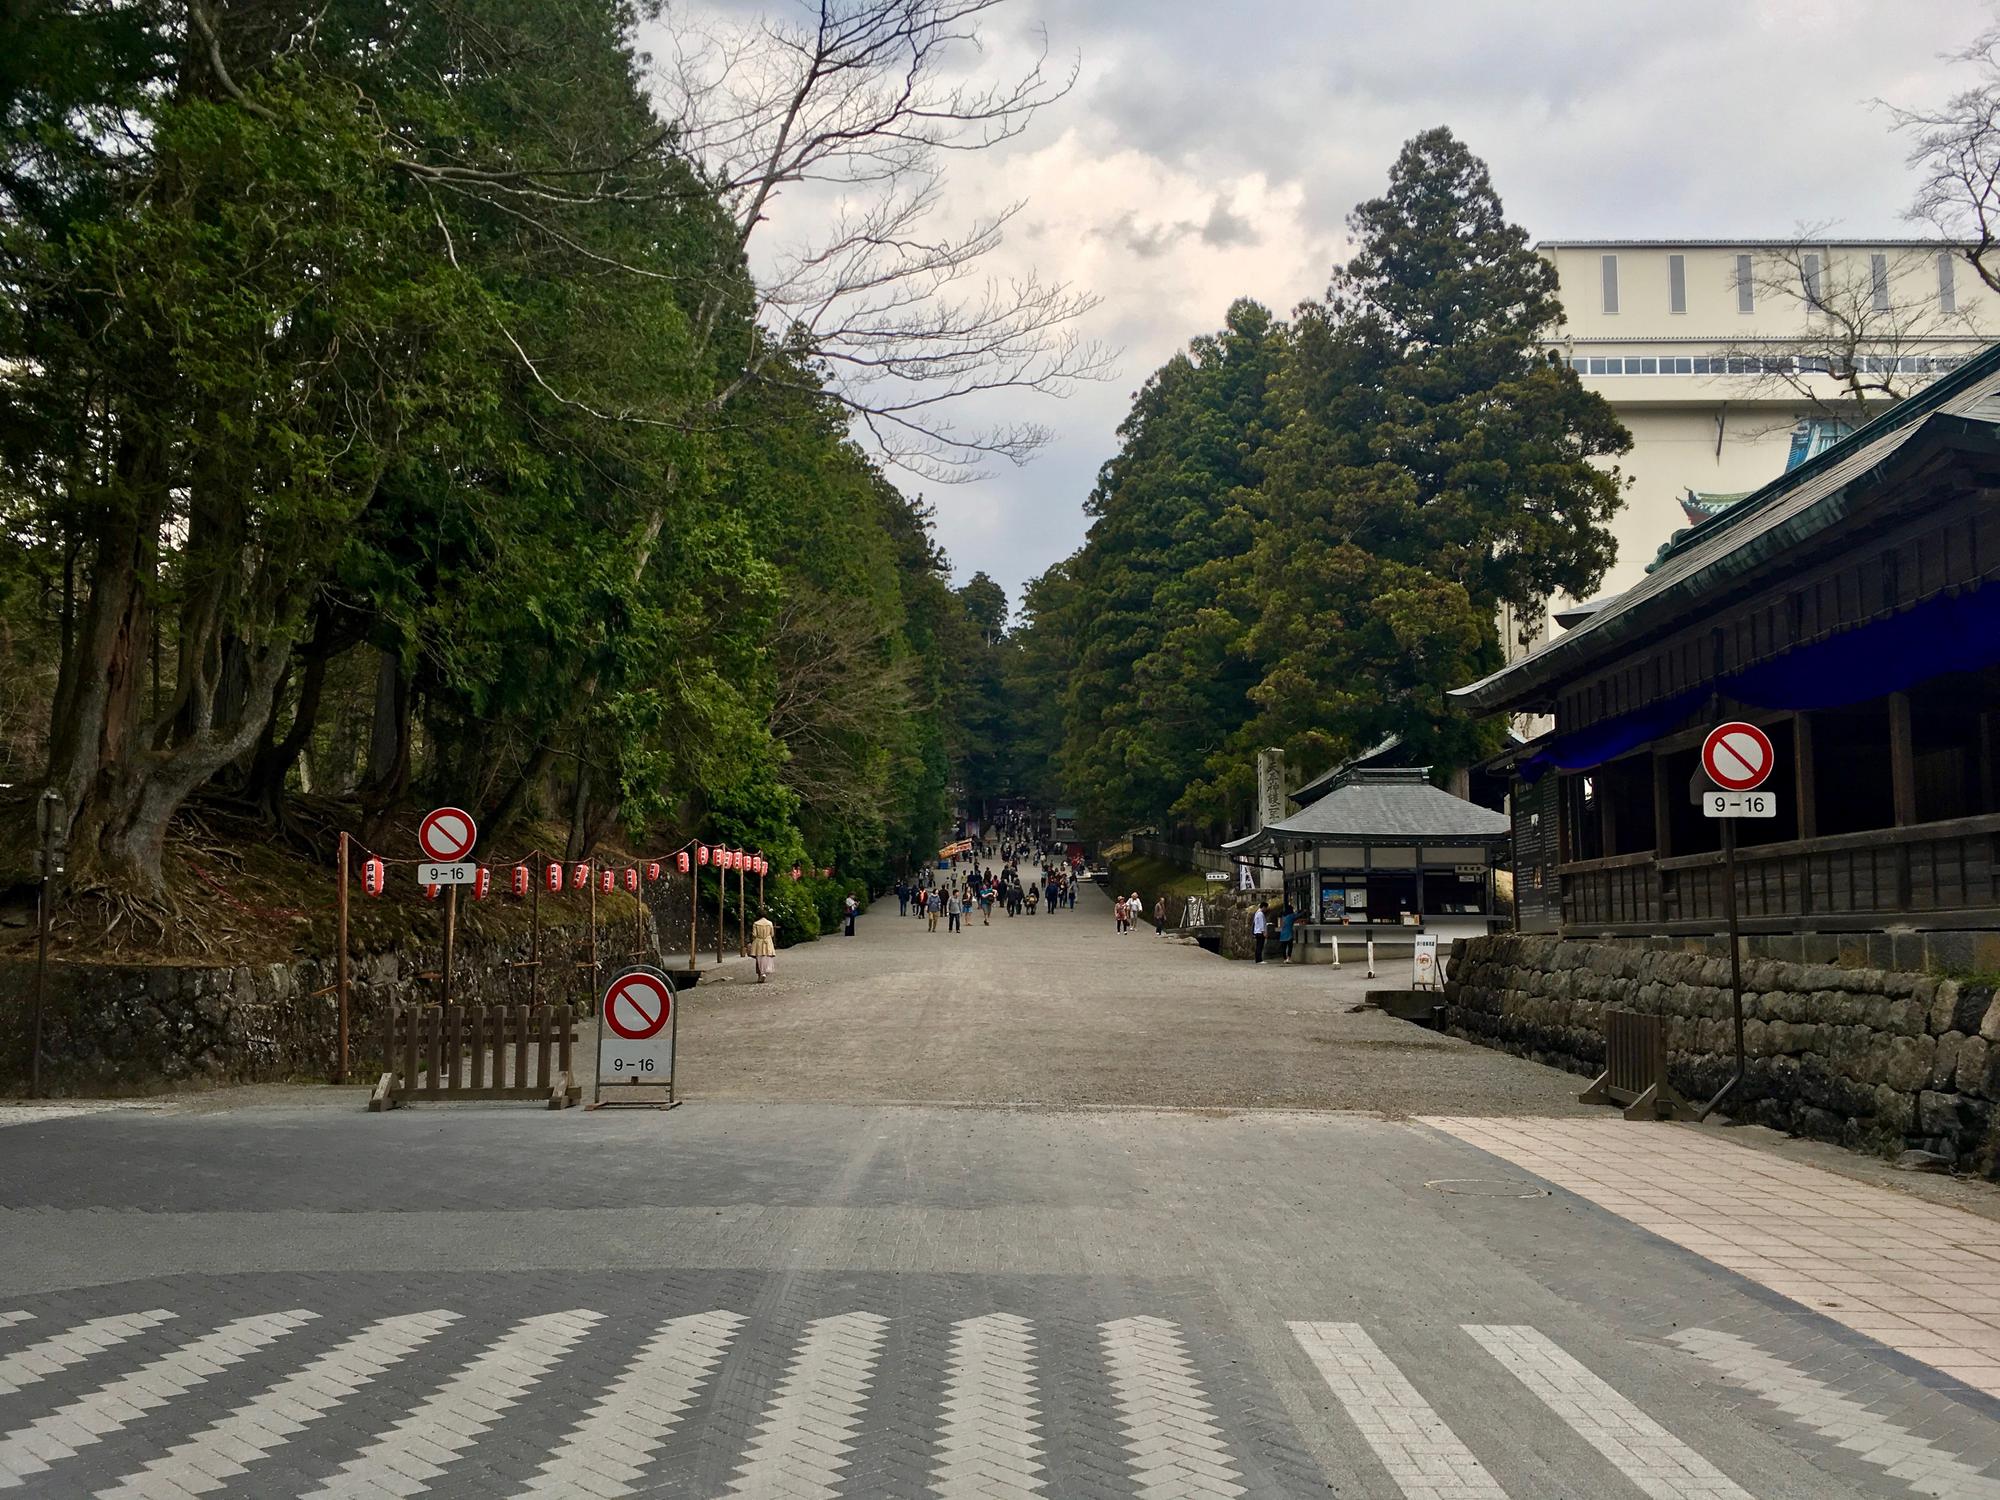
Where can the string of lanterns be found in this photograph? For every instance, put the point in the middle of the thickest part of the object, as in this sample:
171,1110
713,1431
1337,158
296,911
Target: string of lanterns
577,876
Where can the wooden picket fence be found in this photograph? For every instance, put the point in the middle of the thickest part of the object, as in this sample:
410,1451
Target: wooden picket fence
442,1054
1635,1069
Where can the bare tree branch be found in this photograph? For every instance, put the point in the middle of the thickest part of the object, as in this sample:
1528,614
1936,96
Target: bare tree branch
859,106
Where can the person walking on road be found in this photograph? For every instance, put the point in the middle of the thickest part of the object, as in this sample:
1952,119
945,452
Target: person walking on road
1260,926
764,945
1120,914
1286,919
1034,895
954,906
902,898
852,908
1160,916
933,909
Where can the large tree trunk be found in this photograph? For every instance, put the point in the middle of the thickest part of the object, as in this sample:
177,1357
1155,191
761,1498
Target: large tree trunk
275,760
96,731
385,735
512,800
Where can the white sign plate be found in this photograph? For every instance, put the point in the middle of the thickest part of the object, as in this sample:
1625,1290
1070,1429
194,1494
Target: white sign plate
1425,953
1217,877
463,873
635,1038
1739,804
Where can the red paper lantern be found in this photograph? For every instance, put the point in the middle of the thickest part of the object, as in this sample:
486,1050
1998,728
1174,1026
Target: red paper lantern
520,880
631,877
579,877
482,882
763,865
374,875
701,854
430,893
827,873
652,869
555,877
742,860
606,881
685,860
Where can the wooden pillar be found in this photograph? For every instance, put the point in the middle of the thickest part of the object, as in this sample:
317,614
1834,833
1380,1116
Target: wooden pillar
1903,784
1808,776
1902,760
1607,815
1986,787
1663,810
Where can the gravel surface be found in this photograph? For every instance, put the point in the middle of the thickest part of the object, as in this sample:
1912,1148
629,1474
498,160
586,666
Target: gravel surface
1059,1010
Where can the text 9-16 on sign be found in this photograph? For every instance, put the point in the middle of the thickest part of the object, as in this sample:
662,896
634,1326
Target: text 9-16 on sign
1739,804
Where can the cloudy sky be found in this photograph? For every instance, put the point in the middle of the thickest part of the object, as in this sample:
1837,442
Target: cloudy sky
1212,149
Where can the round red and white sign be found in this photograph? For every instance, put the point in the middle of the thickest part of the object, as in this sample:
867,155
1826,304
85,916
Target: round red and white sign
638,1005
447,834
1737,756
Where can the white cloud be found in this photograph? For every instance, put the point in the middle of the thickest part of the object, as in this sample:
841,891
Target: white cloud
1213,150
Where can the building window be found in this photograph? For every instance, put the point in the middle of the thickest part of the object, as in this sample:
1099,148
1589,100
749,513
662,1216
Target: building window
1677,283
1947,292
1809,276
1610,283
1878,281
1746,295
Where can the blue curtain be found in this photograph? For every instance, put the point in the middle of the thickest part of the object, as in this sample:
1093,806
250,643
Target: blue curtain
1947,634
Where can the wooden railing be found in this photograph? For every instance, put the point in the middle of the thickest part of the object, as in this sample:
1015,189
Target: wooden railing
1843,880
443,1053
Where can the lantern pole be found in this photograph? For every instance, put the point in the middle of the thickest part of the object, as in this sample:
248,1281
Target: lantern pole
694,891
340,967
742,902
593,936
721,912
535,936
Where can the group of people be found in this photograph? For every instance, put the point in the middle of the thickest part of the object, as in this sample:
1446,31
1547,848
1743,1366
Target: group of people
1129,911
980,889
1264,923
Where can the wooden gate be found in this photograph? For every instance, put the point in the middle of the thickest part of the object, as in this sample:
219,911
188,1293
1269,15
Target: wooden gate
1635,1069
453,1052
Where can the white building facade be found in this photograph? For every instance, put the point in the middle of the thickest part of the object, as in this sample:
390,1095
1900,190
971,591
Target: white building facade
1725,358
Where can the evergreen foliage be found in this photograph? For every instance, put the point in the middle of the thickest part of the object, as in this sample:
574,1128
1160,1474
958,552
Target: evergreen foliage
1309,527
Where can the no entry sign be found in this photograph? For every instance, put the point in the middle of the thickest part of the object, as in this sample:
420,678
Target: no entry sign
447,834
1737,756
635,1034
638,1005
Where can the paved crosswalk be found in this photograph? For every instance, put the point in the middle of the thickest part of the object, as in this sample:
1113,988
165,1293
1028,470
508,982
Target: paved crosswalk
168,1404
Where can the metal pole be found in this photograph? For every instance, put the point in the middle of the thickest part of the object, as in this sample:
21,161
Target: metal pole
41,981
694,907
535,932
52,824
450,937
1735,961
340,968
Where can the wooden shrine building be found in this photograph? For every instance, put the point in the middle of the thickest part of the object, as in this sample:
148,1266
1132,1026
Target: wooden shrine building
1852,609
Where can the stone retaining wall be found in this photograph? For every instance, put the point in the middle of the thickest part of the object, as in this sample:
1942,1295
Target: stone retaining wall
1869,1057
126,1028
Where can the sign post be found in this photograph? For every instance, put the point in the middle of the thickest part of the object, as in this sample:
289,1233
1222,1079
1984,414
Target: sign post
1737,758
636,1026
446,836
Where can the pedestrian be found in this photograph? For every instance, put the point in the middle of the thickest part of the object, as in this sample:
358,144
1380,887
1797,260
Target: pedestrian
1118,913
853,909
1286,918
902,898
931,910
1160,916
955,904
1259,927
764,945
1034,895
986,905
